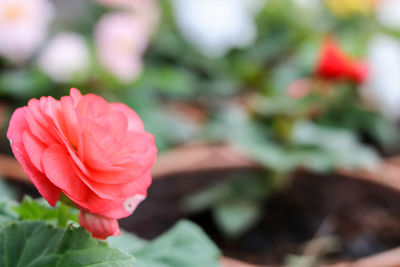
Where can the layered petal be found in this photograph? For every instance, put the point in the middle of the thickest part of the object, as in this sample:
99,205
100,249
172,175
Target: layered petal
135,124
17,127
129,206
100,227
97,154
58,169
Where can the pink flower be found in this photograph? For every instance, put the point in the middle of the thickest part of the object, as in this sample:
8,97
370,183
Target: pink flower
96,153
299,88
100,227
147,11
121,41
23,26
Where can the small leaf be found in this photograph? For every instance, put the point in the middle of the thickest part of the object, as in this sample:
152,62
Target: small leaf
235,203
31,209
234,218
38,244
206,198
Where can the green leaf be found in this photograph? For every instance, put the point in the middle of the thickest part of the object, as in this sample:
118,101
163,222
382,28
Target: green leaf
234,218
207,198
340,145
6,191
184,245
168,79
383,131
23,84
6,212
38,244
31,209
127,242
236,204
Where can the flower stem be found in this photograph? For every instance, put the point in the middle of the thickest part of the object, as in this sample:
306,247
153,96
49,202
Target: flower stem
63,215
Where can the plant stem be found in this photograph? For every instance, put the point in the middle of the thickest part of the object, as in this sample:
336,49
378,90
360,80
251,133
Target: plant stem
63,215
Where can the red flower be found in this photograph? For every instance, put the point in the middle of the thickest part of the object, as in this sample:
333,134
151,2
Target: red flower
335,64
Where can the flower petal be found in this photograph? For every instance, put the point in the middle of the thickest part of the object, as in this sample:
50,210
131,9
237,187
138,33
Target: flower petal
57,165
17,127
34,149
135,124
100,227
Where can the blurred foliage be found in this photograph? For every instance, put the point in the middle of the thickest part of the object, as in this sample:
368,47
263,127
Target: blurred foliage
235,205
286,49
6,190
242,97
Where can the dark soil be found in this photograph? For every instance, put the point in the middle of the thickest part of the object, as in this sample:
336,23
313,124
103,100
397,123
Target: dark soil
363,216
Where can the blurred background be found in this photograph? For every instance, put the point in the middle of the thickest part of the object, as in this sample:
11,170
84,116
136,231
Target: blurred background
277,121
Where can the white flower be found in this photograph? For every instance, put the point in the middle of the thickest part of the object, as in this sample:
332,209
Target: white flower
216,26
23,26
66,57
388,13
383,84
121,41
